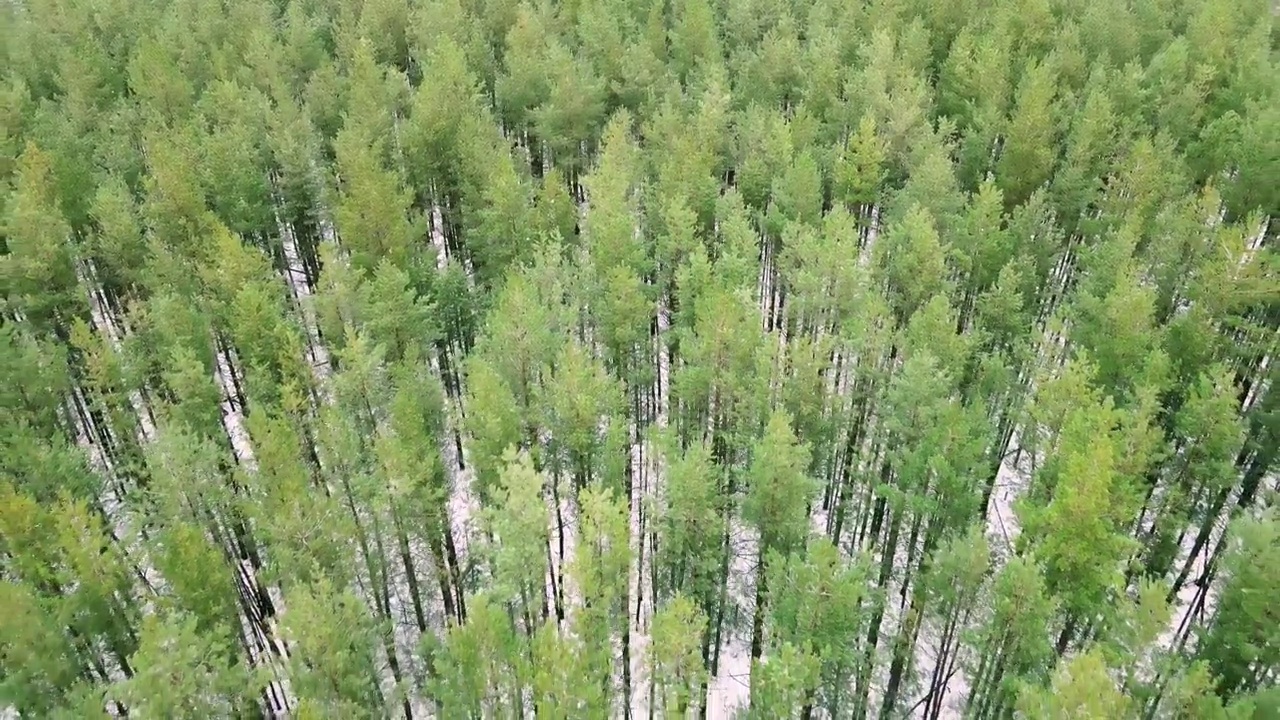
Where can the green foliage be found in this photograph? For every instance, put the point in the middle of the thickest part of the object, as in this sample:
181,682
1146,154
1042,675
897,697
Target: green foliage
782,683
690,524
859,170
39,662
1241,644
581,407
676,662
1028,155
911,262
778,488
473,669
1080,534
38,273
518,522
182,673
373,212
599,572
489,358
331,637
493,423
818,603
1081,687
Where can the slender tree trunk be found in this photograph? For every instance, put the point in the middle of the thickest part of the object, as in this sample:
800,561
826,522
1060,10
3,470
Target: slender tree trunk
559,564
757,618
455,569
942,670
378,577
411,575
442,576
1065,637
867,666
720,604
854,437
903,656
912,566
873,631
557,594
626,653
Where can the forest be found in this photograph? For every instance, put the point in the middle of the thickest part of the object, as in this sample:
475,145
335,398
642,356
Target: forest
848,359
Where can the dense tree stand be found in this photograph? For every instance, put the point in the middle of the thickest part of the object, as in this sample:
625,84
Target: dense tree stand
639,359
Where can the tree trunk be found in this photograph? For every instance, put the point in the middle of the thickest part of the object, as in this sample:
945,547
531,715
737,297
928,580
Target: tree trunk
757,618
455,569
411,575
903,657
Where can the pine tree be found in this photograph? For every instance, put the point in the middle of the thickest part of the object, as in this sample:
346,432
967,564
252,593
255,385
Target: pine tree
599,573
38,271
1240,645
675,664
518,523
333,667
1027,159
182,673
1012,645
776,505
373,212
782,682
1081,687
817,602
1079,535
477,665
911,258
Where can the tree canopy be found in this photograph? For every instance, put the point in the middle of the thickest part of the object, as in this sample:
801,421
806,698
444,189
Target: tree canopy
624,358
